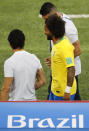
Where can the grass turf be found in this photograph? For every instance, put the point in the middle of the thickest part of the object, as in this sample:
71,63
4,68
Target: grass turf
23,14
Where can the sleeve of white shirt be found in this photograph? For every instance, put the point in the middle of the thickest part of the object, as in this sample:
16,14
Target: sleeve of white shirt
72,37
39,66
8,69
71,31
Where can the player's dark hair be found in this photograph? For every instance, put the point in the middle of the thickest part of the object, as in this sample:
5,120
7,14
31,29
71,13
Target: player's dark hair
16,39
47,8
56,26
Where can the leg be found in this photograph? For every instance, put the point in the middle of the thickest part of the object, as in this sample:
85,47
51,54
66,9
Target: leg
61,98
54,98
57,98
51,96
72,97
77,95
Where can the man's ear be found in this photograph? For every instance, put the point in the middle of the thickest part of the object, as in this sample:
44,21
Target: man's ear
56,13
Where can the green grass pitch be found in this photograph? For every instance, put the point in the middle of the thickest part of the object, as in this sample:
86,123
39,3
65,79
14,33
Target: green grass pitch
23,14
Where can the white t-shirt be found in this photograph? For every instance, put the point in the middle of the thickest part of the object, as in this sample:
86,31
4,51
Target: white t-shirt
72,33
22,66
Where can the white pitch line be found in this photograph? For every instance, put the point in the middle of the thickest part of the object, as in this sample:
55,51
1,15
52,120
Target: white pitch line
74,16
79,15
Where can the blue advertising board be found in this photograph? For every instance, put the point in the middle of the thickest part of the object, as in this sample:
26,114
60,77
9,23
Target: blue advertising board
44,116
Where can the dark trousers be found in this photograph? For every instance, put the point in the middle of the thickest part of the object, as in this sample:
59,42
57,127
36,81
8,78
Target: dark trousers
77,95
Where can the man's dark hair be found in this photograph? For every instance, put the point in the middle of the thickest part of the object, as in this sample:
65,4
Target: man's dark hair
47,8
56,26
16,39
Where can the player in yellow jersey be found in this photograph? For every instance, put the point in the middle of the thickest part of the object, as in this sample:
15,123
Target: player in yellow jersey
62,60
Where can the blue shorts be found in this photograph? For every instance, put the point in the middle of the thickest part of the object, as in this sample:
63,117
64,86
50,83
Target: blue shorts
53,97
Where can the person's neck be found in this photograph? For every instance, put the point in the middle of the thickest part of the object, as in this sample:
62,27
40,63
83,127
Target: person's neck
55,40
15,50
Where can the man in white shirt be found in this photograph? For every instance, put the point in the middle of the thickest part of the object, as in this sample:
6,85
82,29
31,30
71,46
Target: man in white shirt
22,71
71,32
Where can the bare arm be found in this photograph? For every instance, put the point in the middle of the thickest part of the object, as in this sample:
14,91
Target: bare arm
70,79
70,76
4,94
77,50
41,79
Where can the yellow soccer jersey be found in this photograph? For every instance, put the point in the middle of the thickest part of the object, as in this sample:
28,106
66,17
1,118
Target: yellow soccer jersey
62,57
